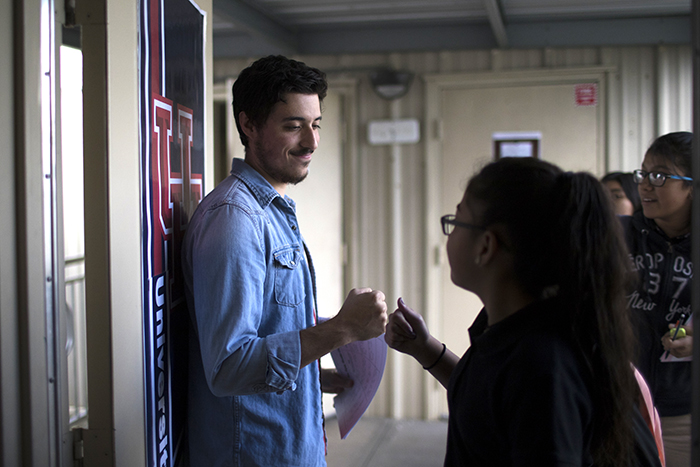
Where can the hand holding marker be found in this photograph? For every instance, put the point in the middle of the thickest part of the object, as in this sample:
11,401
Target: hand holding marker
677,331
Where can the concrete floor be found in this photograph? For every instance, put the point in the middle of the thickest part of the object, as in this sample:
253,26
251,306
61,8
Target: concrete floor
382,442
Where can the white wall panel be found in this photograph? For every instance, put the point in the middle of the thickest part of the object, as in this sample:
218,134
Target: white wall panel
647,104
674,84
613,135
637,104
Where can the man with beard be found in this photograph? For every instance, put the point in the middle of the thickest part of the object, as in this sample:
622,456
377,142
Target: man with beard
255,382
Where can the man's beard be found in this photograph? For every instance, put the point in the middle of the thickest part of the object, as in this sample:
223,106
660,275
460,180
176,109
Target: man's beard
280,174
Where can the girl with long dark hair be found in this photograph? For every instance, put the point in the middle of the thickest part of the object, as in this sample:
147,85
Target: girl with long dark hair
547,379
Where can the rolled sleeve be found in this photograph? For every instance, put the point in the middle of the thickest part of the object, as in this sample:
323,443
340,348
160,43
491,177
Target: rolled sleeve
283,359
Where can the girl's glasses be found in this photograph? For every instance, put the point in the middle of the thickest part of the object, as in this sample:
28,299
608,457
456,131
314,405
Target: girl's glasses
655,178
449,223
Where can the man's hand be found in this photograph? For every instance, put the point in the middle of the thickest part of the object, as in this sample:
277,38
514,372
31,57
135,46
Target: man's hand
333,382
363,315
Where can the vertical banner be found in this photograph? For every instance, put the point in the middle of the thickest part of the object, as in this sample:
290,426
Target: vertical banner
171,49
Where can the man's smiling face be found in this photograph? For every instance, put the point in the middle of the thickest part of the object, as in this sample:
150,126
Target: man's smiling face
281,148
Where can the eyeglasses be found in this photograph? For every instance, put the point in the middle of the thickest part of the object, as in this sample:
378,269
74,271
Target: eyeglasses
448,224
655,178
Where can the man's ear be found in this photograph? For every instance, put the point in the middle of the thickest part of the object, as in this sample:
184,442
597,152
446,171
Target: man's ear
247,125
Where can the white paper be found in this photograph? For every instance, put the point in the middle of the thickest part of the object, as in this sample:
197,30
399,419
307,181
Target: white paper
363,362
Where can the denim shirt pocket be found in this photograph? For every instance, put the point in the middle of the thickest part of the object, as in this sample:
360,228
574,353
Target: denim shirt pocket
289,276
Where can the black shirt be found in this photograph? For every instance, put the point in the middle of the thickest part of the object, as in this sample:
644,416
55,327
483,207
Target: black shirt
520,396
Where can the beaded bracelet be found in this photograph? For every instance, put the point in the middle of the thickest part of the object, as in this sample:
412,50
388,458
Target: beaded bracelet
444,347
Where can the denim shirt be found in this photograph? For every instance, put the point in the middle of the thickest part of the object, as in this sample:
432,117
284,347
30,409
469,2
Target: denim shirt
249,291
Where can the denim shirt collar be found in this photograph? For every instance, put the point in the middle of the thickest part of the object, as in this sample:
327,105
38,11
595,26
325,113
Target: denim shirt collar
264,193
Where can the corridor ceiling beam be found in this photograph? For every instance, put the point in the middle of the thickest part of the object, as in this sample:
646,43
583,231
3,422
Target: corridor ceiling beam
253,22
493,9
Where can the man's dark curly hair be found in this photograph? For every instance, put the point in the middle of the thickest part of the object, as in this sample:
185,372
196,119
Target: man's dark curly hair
264,83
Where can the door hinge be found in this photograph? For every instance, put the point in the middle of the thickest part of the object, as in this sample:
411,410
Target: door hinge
78,452
437,129
93,447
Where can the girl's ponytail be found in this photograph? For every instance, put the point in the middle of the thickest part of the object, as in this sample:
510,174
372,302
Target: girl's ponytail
595,276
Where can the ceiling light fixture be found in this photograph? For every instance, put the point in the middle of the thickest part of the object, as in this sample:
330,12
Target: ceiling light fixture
391,84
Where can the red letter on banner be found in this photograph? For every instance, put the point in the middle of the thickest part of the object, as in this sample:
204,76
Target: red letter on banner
192,181
160,177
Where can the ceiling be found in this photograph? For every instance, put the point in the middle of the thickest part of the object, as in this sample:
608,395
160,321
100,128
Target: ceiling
250,28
